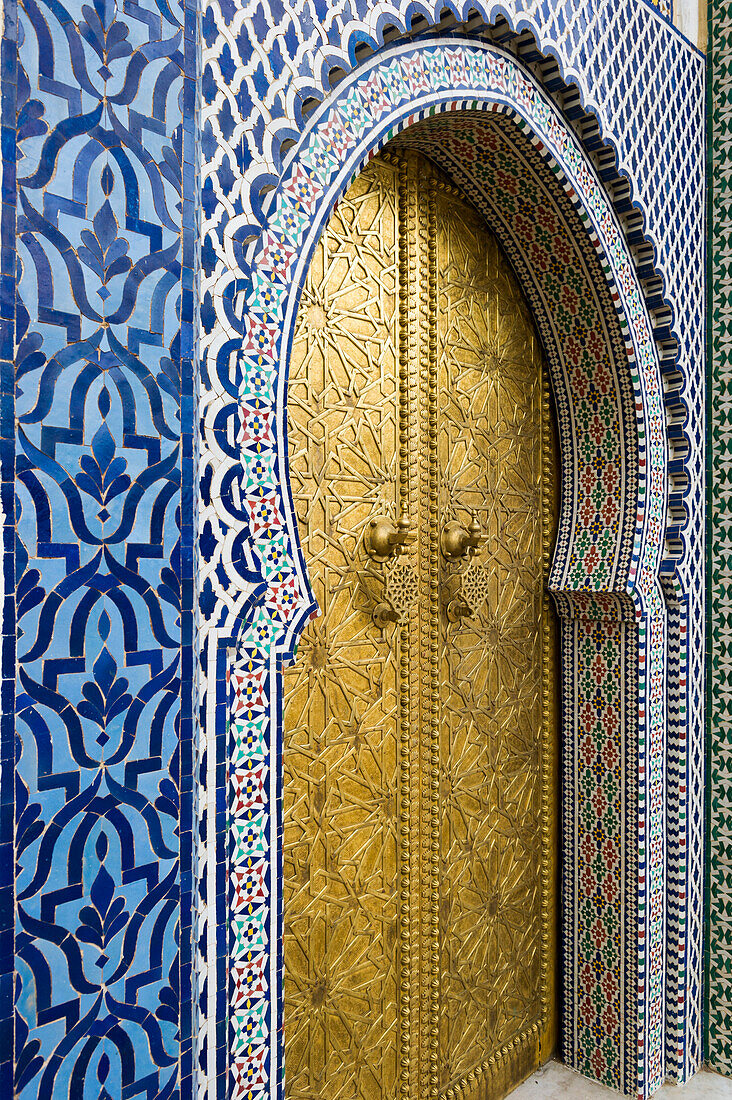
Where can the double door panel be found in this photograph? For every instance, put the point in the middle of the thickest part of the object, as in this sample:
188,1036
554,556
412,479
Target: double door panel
419,721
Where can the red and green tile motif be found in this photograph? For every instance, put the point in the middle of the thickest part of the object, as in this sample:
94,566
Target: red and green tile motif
719,777
600,843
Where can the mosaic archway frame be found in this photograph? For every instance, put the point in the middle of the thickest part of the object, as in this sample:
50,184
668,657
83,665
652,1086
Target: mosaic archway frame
395,90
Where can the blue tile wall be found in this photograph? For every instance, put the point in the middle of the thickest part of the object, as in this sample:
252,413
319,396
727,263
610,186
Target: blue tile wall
105,317
8,86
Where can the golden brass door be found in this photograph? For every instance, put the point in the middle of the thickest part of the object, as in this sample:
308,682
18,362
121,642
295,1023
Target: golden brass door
419,722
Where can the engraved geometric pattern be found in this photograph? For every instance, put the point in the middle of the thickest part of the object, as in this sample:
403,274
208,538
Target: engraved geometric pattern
473,419
341,747
496,672
421,77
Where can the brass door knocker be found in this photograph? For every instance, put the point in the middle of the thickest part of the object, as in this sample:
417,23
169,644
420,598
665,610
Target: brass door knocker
457,539
384,538
465,591
385,542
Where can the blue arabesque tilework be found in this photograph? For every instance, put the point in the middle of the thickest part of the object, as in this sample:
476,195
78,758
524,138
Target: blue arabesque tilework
105,362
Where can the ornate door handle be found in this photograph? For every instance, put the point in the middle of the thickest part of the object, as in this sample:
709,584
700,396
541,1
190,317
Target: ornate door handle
383,537
465,592
458,608
385,613
457,539
393,584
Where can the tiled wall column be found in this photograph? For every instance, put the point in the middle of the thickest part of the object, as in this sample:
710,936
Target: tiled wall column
101,326
719,779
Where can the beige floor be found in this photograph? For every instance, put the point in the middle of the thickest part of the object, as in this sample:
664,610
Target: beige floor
556,1082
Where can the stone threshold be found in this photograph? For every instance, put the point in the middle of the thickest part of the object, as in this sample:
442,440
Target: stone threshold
556,1082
